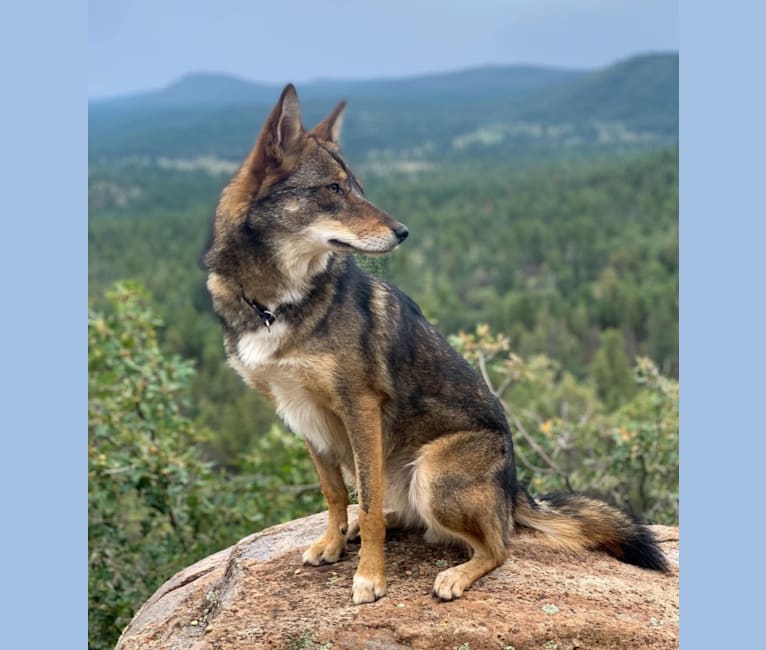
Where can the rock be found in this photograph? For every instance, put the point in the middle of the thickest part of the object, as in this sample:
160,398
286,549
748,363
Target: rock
257,594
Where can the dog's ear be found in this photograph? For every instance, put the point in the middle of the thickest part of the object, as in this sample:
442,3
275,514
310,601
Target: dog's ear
329,128
274,155
283,132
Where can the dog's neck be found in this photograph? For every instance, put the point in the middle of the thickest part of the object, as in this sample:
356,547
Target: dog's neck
285,277
299,265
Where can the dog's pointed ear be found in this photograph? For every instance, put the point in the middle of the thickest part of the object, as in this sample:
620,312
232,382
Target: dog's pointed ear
283,131
274,155
329,128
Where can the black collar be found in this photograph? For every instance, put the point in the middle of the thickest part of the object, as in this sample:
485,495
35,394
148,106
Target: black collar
286,309
267,316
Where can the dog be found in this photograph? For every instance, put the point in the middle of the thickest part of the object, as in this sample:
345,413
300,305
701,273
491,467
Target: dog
352,365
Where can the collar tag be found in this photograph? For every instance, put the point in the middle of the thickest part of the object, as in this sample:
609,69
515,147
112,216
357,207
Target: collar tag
268,318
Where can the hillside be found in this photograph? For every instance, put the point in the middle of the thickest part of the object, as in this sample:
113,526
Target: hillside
498,110
210,90
642,92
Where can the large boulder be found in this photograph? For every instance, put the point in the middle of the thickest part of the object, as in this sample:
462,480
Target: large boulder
257,594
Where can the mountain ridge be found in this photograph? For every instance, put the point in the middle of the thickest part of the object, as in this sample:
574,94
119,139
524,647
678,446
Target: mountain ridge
485,110
195,85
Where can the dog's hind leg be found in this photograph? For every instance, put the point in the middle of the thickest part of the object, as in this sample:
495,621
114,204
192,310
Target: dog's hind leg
328,548
456,491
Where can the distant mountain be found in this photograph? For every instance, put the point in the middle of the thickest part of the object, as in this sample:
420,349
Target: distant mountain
641,91
492,110
217,90
192,91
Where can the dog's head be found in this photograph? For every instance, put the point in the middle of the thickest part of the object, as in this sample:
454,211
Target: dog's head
294,185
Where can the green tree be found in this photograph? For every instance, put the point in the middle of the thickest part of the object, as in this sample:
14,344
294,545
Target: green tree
611,371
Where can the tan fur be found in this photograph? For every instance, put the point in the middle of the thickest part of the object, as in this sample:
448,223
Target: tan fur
596,525
456,520
329,547
370,578
329,128
254,176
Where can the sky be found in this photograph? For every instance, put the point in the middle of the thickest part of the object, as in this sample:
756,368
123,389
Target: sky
137,45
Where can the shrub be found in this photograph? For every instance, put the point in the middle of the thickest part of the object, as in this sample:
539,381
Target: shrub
155,504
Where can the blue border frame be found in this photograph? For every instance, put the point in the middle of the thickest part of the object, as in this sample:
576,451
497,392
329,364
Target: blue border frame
43,484
723,321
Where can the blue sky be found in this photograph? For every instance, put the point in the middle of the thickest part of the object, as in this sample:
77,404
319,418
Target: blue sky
141,44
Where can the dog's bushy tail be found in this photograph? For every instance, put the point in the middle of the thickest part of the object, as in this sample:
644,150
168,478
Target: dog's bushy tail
579,522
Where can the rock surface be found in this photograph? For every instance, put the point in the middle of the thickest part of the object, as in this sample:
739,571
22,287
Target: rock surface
257,594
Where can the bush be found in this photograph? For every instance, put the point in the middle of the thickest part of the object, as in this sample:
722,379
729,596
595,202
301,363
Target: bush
567,438
155,504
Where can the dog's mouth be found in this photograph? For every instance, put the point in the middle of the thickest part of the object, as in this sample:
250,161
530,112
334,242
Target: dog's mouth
341,245
337,243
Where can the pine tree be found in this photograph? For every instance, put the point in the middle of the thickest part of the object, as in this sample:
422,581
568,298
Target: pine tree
611,371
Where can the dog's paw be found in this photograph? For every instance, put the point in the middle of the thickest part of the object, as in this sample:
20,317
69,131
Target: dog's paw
324,551
368,589
451,584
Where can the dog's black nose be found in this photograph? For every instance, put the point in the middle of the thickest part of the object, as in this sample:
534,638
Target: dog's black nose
401,232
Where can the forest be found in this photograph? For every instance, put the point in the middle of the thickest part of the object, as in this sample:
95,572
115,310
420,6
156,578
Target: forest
554,273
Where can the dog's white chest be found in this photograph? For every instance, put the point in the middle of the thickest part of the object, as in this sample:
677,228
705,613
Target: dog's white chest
296,404
301,412
256,349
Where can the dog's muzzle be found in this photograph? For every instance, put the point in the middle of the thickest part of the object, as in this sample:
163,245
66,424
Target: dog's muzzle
401,232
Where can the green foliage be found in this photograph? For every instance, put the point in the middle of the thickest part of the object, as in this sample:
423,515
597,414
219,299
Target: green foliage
611,371
565,437
155,504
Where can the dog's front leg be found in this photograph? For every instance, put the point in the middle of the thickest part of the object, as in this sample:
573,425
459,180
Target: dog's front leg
365,431
328,548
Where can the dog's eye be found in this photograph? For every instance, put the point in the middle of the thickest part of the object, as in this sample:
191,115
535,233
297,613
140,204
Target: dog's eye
334,187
